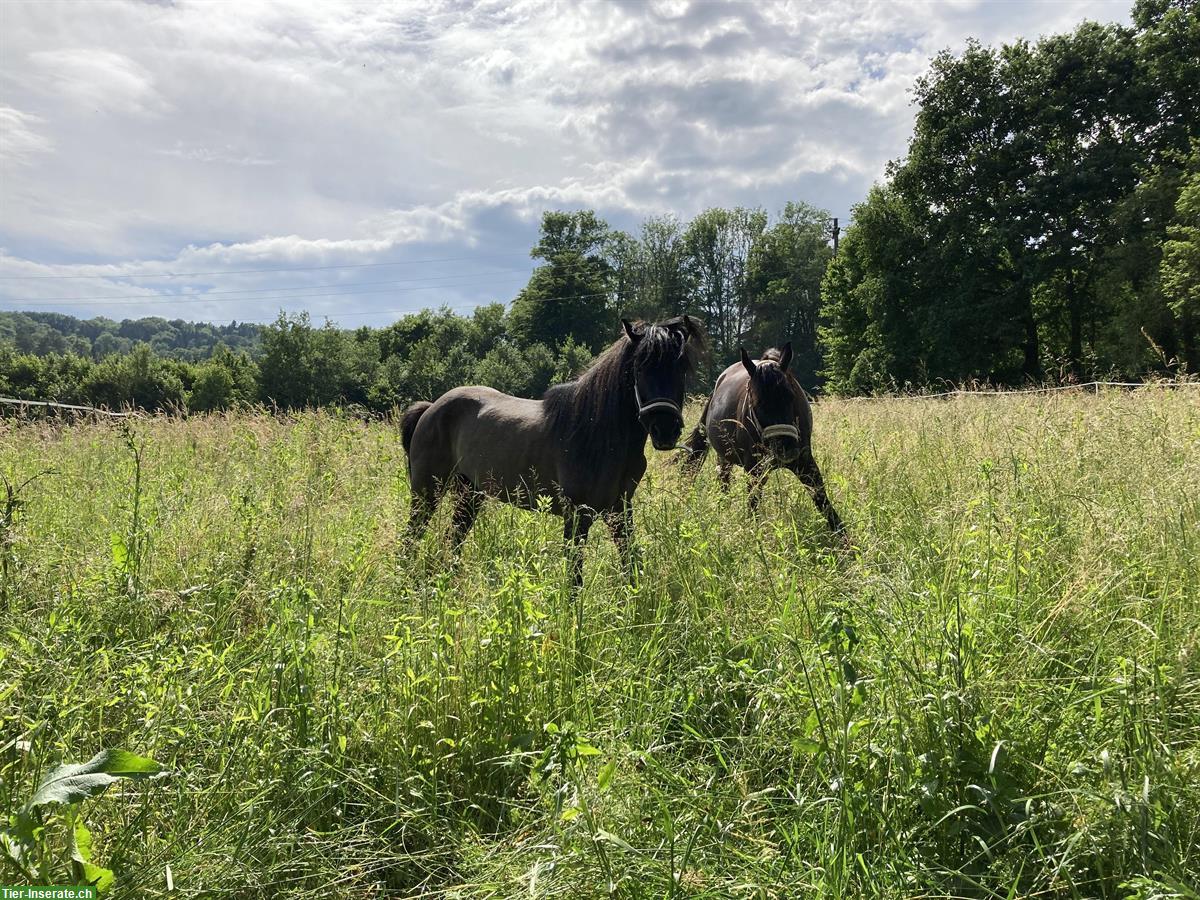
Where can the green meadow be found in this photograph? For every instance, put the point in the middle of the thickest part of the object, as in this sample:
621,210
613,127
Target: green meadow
996,694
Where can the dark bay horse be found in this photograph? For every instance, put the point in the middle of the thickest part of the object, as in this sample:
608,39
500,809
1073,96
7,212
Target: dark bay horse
758,417
582,445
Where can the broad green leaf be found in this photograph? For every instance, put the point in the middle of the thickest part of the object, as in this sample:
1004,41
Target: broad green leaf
604,779
79,846
79,841
97,876
120,553
13,847
78,781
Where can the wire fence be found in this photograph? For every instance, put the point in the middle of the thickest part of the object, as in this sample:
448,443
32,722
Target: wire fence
71,408
1092,386
76,409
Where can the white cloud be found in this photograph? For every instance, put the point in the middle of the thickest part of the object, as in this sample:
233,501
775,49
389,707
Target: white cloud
20,140
207,136
94,79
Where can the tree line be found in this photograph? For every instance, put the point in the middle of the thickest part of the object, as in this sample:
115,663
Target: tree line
1044,225
43,333
750,279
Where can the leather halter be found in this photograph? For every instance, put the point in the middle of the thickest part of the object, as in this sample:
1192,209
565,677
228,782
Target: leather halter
661,403
782,430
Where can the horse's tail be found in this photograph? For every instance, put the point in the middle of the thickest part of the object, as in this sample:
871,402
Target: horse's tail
408,424
696,446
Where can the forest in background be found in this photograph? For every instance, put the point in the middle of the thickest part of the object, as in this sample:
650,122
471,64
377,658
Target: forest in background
1044,226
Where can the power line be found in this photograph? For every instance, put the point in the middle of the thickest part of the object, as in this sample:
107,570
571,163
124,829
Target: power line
166,299
409,310
378,312
406,262
123,299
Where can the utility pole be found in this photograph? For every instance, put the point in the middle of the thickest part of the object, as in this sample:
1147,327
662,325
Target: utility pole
836,232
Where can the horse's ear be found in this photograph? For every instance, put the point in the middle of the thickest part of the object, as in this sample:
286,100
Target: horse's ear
786,356
748,362
630,331
692,326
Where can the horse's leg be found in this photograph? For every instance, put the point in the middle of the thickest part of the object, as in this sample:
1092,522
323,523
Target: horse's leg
758,478
724,470
576,524
421,508
467,501
806,469
620,523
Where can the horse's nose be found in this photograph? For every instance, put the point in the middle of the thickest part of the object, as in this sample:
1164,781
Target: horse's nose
665,434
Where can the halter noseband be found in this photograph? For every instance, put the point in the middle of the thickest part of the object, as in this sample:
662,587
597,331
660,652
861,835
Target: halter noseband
771,430
661,403
780,431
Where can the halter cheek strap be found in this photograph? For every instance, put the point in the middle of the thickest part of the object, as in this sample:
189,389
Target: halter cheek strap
662,403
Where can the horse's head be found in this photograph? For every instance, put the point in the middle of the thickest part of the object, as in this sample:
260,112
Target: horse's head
772,403
662,356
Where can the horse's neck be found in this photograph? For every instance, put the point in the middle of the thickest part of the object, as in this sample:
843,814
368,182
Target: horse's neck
630,437
634,434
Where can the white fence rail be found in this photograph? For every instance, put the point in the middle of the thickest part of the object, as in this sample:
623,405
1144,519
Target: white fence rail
66,407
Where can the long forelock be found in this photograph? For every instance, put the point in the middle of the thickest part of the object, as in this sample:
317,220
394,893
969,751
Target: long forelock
664,344
772,380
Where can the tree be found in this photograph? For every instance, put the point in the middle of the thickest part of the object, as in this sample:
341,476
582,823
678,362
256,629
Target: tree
962,185
569,296
786,266
716,254
139,379
225,381
302,366
652,283
522,372
1180,268
212,388
872,311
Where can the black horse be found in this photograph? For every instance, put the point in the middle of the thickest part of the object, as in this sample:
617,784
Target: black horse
582,445
758,417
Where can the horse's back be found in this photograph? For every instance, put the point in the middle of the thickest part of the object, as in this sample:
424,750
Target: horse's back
721,422
491,438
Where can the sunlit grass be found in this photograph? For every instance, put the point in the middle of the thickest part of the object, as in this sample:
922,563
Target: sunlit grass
999,695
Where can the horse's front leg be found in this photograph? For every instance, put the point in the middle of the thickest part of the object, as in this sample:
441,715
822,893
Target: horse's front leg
724,472
576,524
620,523
809,473
758,473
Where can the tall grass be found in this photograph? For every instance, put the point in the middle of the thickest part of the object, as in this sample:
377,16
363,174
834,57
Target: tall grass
997,696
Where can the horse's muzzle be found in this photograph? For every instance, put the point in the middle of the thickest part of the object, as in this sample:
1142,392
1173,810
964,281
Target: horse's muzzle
665,434
782,441
785,450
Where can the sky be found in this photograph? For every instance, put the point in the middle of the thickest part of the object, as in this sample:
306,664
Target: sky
219,161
